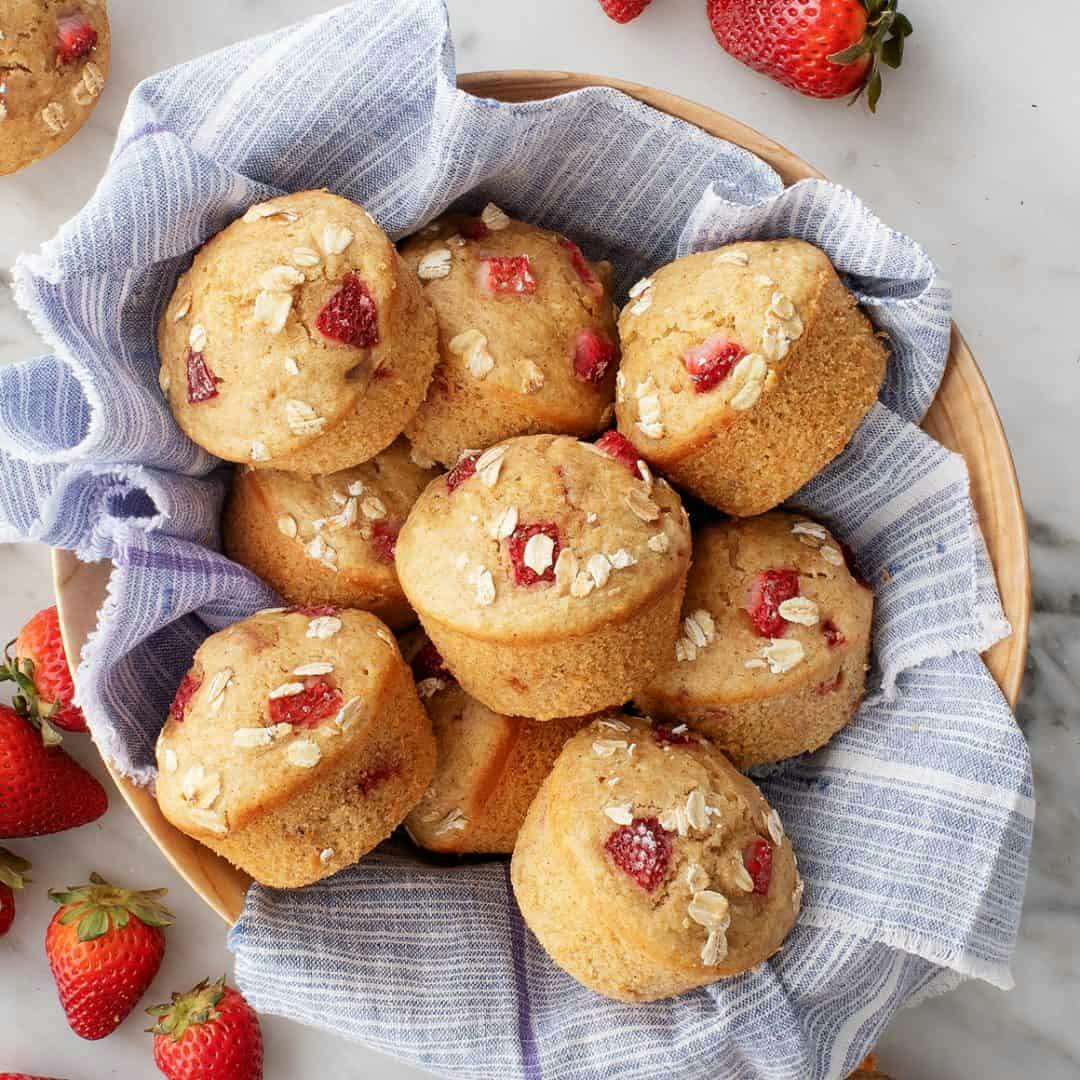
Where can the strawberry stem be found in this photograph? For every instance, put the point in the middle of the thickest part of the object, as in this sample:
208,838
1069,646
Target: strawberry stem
13,869
883,41
96,906
196,1006
26,701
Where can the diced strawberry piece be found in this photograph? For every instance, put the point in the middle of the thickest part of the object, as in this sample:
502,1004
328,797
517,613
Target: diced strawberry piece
75,37
709,363
508,274
201,381
641,849
369,779
187,689
830,686
757,859
833,635
350,316
618,446
519,541
461,472
666,735
473,228
581,265
429,664
593,354
318,700
384,536
312,611
769,590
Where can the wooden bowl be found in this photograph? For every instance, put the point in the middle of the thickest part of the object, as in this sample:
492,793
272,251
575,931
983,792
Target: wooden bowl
963,418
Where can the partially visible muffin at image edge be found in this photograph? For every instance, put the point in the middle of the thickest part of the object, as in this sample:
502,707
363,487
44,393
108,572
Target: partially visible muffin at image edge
298,339
54,60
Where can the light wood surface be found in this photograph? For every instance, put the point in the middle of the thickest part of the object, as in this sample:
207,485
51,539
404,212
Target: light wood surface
963,418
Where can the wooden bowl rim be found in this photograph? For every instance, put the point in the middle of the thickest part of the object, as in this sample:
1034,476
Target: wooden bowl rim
81,587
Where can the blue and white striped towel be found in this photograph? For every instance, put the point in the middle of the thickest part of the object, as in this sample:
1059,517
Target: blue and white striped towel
913,828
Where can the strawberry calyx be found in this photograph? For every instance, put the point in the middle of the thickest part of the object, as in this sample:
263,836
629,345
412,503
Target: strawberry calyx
189,1009
26,702
882,42
14,869
97,906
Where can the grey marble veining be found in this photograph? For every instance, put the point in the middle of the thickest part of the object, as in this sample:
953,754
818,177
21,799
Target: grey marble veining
971,156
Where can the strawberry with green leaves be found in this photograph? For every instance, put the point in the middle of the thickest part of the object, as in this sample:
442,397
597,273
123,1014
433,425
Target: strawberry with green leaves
13,871
104,946
39,668
42,790
823,48
209,1033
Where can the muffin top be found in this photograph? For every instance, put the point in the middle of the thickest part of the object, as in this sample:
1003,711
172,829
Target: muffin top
270,702
346,521
521,311
279,326
54,57
706,337
682,846
770,604
542,536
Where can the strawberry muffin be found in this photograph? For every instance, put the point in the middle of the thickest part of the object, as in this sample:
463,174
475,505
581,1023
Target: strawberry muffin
298,339
548,573
775,640
295,744
328,539
527,340
647,866
54,58
488,768
745,371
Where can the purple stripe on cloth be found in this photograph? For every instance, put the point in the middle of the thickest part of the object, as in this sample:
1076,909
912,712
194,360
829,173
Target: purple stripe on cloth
530,1061
139,133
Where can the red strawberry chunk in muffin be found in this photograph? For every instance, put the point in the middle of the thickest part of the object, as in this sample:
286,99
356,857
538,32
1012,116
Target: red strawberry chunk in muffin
833,635
384,536
75,37
428,663
187,689
581,265
757,858
508,274
665,735
369,779
593,354
641,849
461,472
312,611
533,551
318,700
618,446
709,363
474,229
350,315
201,381
769,590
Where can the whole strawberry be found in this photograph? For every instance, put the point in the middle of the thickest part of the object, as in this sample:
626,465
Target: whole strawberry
209,1033
824,48
104,946
42,790
622,11
40,660
13,871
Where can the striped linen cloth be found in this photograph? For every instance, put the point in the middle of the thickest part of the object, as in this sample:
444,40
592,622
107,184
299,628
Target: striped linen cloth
913,828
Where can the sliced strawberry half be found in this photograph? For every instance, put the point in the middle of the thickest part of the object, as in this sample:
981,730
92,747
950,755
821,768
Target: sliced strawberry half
202,383
768,591
709,363
642,850
757,858
593,354
520,551
318,700
618,446
75,37
350,315
508,274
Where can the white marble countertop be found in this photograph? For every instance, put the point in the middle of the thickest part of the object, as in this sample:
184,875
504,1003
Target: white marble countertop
975,153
